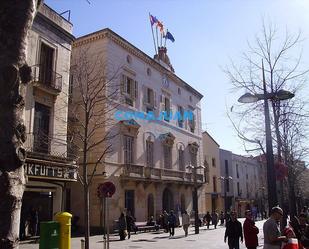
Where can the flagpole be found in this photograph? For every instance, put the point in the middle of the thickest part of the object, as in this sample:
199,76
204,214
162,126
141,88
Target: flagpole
154,42
157,36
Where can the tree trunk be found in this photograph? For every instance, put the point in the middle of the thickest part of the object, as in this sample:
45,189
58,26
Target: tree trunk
15,20
87,223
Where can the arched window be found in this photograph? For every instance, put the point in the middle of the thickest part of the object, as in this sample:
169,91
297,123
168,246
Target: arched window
149,152
168,200
182,203
150,205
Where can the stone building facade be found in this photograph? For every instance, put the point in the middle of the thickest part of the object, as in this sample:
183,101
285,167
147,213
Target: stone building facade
48,167
152,157
227,171
213,176
248,183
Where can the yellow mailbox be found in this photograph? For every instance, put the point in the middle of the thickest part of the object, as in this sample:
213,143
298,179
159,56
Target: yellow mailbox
64,218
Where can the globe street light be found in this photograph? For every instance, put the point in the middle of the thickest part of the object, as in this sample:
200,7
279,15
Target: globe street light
251,98
195,197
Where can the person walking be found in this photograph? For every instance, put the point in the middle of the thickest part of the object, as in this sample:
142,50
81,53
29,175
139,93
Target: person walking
233,232
271,230
34,221
171,223
130,223
214,219
302,231
185,222
221,218
165,221
250,231
207,219
122,226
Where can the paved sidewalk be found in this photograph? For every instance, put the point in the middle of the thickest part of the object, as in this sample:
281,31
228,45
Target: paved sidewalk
206,239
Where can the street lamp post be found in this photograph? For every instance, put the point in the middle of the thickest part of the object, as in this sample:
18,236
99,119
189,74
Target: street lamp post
250,98
195,197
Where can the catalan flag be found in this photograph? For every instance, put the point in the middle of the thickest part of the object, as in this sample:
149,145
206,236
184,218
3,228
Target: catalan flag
160,26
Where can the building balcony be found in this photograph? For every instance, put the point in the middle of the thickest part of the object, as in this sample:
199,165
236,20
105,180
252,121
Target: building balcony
140,172
46,80
44,164
42,145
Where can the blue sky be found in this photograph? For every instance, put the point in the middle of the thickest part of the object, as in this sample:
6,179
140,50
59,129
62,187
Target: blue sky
208,34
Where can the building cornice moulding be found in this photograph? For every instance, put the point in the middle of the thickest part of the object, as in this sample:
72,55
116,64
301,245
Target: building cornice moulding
107,33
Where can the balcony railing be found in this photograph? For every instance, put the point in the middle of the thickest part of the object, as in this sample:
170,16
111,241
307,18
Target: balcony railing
42,144
47,79
142,172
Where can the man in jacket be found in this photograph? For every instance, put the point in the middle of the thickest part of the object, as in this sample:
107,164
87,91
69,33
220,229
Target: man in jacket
233,232
250,231
271,230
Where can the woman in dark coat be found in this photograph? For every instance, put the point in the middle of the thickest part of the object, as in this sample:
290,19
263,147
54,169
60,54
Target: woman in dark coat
207,218
122,225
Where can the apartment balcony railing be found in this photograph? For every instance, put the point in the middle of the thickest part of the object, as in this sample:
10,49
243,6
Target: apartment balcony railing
43,145
46,80
157,174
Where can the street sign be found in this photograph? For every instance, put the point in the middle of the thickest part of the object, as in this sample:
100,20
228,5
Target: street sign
106,189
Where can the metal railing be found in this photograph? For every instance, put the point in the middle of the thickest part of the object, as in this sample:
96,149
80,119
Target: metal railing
140,171
47,78
44,145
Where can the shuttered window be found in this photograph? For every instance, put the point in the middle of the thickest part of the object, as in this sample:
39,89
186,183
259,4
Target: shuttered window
128,149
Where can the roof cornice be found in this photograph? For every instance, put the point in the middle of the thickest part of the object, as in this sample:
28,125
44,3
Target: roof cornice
108,33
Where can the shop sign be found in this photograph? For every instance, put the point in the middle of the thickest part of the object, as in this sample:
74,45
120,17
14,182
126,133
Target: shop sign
38,170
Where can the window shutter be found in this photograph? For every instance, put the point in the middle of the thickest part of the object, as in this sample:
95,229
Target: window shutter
123,85
135,89
144,90
155,105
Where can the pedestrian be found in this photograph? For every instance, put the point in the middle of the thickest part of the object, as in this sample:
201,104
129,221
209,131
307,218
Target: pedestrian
165,221
214,218
227,217
250,231
291,241
302,231
185,222
122,226
207,219
171,223
221,218
130,223
271,230
34,221
233,232
253,213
